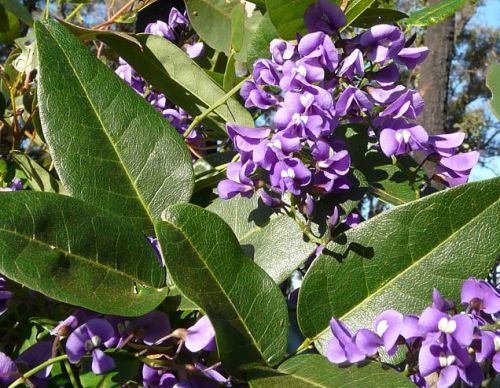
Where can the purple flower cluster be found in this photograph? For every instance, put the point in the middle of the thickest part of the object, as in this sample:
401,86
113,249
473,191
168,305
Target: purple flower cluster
176,30
317,84
449,345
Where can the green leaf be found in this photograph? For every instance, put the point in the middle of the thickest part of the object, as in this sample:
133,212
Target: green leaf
313,370
434,13
19,10
259,44
393,260
237,27
207,264
212,21
170,70
373,16
493,83
10,26
78,254
354,9
126,369
110,147
288,16
39,178
273,240
229,74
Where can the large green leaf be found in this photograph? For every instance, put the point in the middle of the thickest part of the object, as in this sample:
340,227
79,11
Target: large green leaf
212,20
288,16
19,10
76,253
259,44
434,13
355,8
493,83
10,26
110,147
273,240
207,264
170,70
395,259
313,370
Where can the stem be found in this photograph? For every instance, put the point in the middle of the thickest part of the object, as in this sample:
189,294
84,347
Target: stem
74,12
215,105
47,10
37,369
71,375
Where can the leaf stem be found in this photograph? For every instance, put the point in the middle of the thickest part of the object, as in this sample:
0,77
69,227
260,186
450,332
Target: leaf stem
74,12
37,369
214,106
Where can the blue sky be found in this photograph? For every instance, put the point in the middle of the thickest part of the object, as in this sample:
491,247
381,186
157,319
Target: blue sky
487,15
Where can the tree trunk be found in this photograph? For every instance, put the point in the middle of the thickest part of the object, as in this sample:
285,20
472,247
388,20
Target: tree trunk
435,74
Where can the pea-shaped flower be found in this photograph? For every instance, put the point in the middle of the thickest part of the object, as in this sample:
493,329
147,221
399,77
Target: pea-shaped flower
90,338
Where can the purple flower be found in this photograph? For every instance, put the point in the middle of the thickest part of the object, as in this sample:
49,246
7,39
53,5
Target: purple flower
194,50
451,362
385,95
352,98
149,328
255,97
282,50
89,338
333,162
480,296
239,181
246,139
34,356
386,76
77,318
382,42
489,348
177,19
300,75
352,65
160,28
324,16
412,56
15,185
458,328
404,140
268,152
156,247
290,174
455,169
5,295
201,336
342,347
409,104
157,377
438,302
265,72
445,144
319,47
8,370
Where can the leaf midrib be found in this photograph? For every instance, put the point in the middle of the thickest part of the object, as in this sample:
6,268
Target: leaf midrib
200,257
416,263
103,127
76,256
422,14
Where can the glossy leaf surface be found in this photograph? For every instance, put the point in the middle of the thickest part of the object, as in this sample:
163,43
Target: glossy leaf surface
393,260
78,254
273,240
110,147
170,70
313,370
434,13
207,264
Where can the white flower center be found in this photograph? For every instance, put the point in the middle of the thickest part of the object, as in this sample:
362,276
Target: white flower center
277,143
288,173
302,70
404,135
306,99
446,360
446,325
323,164
297,118
96,341
382,327
496,341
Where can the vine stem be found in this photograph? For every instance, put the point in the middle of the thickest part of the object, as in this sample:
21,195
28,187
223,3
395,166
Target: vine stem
215,105
74,12
37,369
